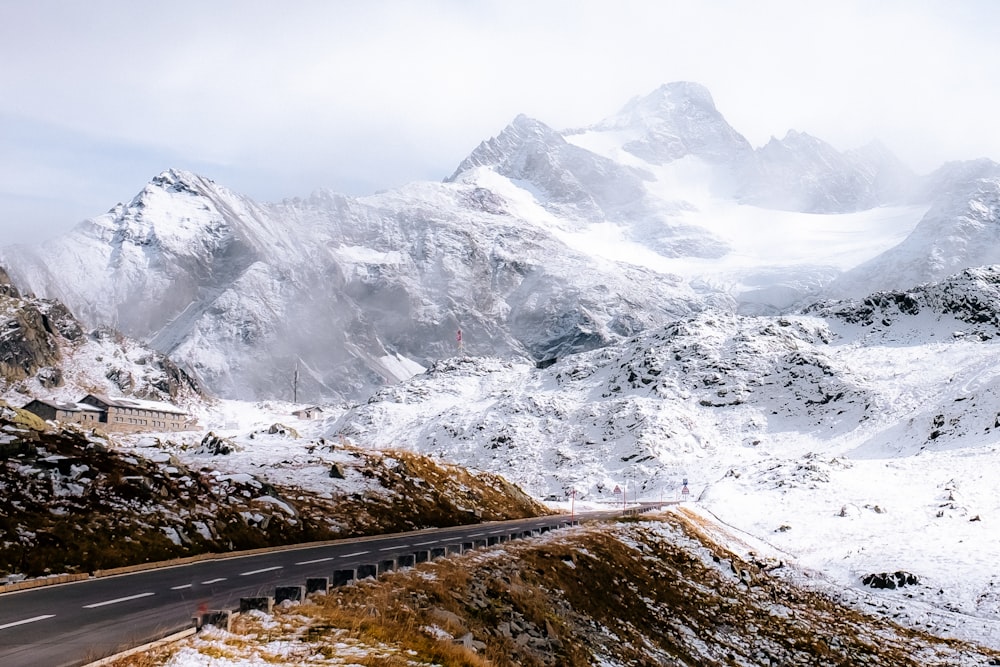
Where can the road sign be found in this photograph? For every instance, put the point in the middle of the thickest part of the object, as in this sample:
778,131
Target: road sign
617,489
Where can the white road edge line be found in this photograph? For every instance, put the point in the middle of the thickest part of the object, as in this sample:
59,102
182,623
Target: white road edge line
318,560
266,569
359,553
213,581
117,600
401,546
27,620
180,588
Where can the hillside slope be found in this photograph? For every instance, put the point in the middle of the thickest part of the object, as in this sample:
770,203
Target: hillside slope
658,592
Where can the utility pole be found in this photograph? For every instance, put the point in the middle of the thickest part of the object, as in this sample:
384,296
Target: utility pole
295,383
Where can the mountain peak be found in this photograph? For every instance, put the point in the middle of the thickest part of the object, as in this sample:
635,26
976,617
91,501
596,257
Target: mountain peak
495,151
181,180
675,120
679,93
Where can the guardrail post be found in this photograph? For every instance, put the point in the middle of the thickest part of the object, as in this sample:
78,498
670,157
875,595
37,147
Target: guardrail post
421,556
343,577
219,618
387,565
264,603
438,552
294,593
408,560
317,585
367,570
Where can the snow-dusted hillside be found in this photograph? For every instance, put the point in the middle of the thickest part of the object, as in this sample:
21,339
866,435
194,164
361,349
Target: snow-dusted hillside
856,439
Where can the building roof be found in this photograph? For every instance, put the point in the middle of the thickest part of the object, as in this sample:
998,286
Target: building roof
66,406
136,404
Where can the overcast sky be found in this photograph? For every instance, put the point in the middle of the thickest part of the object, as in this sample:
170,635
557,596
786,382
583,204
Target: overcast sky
277,99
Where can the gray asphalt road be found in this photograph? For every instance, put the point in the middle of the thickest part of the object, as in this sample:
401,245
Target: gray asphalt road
73,624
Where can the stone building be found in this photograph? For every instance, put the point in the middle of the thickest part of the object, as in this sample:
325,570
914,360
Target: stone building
80,413
115,414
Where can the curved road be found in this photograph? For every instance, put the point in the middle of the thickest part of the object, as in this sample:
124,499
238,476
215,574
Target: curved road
72,624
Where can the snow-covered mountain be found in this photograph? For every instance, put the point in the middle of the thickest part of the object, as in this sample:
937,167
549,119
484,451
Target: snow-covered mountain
959,231
803,173
356,292
541,244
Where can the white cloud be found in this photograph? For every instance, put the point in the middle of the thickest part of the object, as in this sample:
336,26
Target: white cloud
283,98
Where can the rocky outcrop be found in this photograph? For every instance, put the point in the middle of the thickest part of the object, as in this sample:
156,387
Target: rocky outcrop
890,580
971,297
28,336
41,341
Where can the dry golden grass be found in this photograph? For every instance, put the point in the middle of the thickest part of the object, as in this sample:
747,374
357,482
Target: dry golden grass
661,592
627,595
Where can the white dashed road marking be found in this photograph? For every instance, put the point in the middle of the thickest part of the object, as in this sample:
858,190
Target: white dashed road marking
318,560
266,569
27,620
213,581
117,600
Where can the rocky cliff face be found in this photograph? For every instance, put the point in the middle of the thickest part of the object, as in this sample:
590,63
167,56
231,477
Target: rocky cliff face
45,352
29,338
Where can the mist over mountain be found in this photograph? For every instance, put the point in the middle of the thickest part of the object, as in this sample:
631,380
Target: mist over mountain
542,243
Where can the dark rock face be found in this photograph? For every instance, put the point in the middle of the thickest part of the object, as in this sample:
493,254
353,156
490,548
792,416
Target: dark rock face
39,336
26,345
971,296
890,580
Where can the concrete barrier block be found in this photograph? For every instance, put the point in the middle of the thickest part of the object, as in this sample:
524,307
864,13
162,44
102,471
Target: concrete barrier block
408,560
264,603
367,570
342,577
438,552
387,565
478,544
218,618
453,549
293,593
421,556
317,585
492,540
